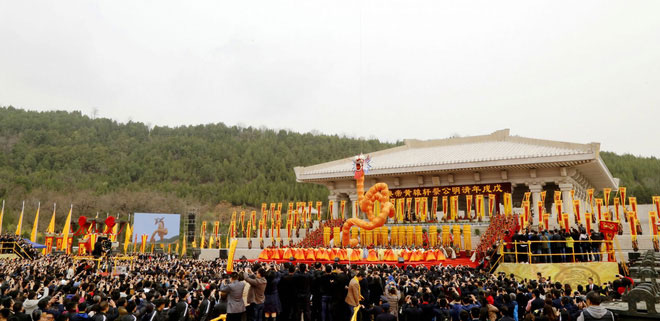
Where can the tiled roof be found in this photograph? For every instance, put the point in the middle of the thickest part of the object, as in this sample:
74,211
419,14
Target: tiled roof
498,146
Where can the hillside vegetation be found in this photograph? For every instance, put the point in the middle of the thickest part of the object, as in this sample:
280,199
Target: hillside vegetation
102,165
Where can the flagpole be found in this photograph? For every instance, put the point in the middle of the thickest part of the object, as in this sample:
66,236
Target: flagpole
19,227
2,213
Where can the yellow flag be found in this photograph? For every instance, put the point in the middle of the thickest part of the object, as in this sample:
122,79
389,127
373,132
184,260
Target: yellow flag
115,230
65,230
33,235
20,221
230,255
183,247
51,225
127,237
2,214
211,242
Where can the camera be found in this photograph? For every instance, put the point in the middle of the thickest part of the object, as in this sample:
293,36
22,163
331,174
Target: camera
103,246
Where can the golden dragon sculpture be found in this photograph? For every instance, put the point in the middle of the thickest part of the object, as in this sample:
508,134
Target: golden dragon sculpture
379,192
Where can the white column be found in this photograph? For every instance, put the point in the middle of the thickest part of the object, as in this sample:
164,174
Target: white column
353,200
567,202
536,198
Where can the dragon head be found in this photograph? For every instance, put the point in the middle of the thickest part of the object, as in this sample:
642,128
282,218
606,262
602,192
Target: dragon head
361,165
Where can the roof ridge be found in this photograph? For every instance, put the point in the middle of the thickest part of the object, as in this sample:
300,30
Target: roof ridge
499,135
586,148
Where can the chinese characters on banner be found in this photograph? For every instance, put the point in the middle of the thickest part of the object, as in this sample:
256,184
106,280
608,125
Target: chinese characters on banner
474,189
469,191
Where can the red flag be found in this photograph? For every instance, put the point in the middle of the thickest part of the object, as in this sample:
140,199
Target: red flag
434,207
576,211
468,204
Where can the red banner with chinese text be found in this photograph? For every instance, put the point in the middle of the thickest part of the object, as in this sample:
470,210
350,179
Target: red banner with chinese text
434,208
606,197
576,211
475,189
468,205
616,209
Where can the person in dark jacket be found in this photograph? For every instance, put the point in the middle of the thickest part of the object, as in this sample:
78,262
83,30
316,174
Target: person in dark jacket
205,306
103,308
182,307
411,310
386,315
130,308
286,290
536,303
302,282
81,315
19,312
219,308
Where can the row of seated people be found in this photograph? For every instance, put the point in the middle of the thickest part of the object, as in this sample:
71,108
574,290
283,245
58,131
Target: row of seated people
371,255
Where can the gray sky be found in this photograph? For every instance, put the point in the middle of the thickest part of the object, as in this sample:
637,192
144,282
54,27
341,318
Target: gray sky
576,71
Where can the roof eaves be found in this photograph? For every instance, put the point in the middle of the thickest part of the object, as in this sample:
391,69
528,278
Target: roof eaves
503,163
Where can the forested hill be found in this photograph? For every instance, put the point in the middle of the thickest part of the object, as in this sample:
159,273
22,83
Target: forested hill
110,166
641,175
69,152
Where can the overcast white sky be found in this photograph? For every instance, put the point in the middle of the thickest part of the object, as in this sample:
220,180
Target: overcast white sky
578,71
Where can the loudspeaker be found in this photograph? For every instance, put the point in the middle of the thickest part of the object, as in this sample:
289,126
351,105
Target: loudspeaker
401,261
633,256
192,226
223,254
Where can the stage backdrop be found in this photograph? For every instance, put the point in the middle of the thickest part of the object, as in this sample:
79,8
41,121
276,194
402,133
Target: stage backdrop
571,273
160,228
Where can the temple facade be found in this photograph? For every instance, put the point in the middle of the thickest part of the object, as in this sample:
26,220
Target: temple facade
487,164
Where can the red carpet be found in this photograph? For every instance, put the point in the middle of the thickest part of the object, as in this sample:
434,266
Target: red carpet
454,262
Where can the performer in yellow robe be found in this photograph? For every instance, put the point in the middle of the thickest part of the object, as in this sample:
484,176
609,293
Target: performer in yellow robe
439,255
372,256
299,254
356,255
389,256
343,255
334,253
405,254
288,253
430,256
310,255
265,254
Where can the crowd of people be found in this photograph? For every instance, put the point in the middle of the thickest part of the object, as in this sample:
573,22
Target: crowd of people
8,241
163,288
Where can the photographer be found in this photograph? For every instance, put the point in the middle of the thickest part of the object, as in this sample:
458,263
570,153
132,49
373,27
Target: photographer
234,290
